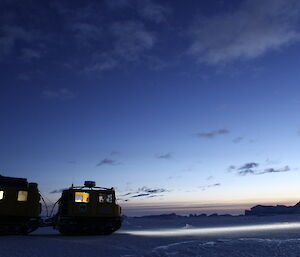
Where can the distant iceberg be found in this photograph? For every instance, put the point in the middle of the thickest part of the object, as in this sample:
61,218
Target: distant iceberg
262,210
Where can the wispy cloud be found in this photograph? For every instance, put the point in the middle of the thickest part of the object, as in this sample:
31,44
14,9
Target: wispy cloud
140,195
131,39
112,153
107,161
165,156
209,177
153,11
29,54
87,33
61,93
203,188
118,3
146,192
237,140
174,177
102,62
10,35
150,10
272,170
231,168
152,190
247,168
57,191
252,168
213,133
253,29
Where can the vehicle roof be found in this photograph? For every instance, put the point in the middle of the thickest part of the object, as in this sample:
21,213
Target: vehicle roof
13,182
93,189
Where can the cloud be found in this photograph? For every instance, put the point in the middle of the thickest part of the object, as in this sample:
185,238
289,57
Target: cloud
237,140
174,177
272,170
165,156
61,93
117,3
152,11
251,168
152,196
130,42
139,195
249,165
209,177
152,190
9,35
131,39
114,153
231,168
57,191
271,162
107,161
103,62
247,168
87,33
146,191
212,134
147,9
126,194
253,29
203,188
29,54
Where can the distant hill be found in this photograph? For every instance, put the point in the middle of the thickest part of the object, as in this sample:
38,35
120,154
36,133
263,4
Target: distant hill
262,210
176,216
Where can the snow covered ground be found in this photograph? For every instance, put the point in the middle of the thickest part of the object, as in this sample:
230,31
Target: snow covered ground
176,236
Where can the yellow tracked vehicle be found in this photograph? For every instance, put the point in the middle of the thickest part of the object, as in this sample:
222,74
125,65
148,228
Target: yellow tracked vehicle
88,210
19,206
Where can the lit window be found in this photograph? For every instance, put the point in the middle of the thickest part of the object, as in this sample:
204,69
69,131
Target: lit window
1,195
22,196
105,198
82,197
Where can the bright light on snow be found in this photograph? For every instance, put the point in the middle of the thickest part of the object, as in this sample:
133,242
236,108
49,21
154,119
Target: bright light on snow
214,230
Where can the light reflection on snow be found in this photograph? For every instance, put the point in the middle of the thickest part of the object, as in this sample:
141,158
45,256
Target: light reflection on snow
214,230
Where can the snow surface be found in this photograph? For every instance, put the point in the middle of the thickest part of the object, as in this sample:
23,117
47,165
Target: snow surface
163,237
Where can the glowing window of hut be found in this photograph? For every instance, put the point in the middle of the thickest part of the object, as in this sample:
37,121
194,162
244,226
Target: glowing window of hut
22,196
1,195
82,197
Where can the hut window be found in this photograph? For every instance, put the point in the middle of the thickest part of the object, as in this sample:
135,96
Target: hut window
102,198
105,198
22,196
1,195
110,198
82,197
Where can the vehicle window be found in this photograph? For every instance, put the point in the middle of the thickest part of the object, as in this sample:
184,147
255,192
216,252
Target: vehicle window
82,197
1,195
105,198
22,196
110,198
102,198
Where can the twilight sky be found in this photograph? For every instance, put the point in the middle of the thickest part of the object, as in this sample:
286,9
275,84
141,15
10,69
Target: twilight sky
177,104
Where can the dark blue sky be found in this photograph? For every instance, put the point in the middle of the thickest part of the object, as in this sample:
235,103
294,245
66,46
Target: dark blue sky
171,102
